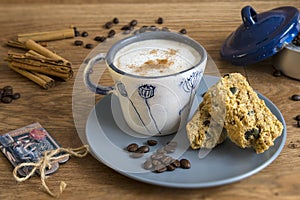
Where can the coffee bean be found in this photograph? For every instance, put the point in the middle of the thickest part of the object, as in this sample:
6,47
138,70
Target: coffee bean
165,29
169,149
160,168
132,147
160,20
84,34
78,43
161,150
126,32
133,23
296,97
151,142
298,124
6,99
157,156
111,33
183,31
176,163
167,160
108,25
16,96
89,46
297,118
156,162
153,28
125,27
100,38
172,143
185,164
277,73
76,33
115,20
171,167
7,91
143,149
136,155
148,164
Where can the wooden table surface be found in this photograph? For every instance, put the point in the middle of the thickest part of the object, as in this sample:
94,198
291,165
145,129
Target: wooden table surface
209,22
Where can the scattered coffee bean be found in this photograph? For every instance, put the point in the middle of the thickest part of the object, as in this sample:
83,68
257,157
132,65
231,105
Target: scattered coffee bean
100,38
16,96
176,163
78,43
298,124
157,156
171,167
89,46
172,143
159,161
143,149
7,95
136,155
7,91
132,147
151,142
6,99
297,118
133,23
148,164
156,162
126,32
167,160
183,31
161,150
277,73
115,20
76,33
170,149
160,20
160,168
185,164
125,27
84,34
296,97
108,25
111,33
165,29
153,28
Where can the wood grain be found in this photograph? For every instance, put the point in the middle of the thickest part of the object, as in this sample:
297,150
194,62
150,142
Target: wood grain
208,22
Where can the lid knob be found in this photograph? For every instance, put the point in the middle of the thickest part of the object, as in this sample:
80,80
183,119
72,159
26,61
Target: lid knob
249,16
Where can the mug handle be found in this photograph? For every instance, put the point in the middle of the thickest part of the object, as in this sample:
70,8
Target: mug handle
98,89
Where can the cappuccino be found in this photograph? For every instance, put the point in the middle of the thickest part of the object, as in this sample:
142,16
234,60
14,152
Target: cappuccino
156,57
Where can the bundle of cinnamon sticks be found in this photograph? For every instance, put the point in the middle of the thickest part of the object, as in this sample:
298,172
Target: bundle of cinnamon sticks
39,64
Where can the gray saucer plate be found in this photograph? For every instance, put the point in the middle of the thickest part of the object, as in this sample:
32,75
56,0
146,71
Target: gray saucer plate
108,135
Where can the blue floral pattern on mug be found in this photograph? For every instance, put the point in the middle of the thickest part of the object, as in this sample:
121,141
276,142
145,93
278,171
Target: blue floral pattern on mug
146,91
123,92
189,84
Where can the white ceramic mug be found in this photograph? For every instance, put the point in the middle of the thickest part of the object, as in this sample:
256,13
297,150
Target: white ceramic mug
154,101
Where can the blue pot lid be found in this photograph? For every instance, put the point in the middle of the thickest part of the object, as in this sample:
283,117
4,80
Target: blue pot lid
261,35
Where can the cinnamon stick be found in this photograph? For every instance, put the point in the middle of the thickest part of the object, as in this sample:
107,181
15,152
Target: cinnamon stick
49,70
20,45
30,44
42,80
48,35
41,64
